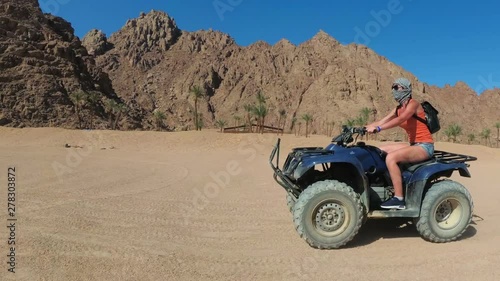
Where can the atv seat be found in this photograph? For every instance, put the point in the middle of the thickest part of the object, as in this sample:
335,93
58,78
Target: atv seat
412,167
382,153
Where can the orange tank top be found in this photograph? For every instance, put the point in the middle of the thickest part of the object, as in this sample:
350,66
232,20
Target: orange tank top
417,131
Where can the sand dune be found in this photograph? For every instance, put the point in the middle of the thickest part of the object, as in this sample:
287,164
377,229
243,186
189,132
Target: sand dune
204,206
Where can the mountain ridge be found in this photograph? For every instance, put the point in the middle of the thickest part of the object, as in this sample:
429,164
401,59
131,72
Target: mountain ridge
150,64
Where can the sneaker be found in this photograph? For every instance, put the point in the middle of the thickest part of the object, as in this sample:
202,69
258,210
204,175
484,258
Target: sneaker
394,203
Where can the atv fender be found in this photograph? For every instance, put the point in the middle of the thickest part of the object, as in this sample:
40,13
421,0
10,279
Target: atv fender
439,169
310,162
418,182
361,180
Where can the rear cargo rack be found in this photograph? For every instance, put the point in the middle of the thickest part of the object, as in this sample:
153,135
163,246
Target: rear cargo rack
448,157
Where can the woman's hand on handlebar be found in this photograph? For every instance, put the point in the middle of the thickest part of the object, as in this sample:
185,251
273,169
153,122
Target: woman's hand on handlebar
372,129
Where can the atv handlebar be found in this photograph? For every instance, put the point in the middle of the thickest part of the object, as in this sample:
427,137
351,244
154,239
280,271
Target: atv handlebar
345,136
358,130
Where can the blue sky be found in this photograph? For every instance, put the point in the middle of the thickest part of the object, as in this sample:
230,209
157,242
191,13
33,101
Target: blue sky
441,42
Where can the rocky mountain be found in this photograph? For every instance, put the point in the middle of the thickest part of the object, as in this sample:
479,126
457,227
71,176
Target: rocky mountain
152,65
42,63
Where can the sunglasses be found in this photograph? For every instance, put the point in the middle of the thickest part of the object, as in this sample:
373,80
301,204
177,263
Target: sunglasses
397,86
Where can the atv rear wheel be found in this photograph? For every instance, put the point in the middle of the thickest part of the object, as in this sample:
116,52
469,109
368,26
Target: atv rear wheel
446,212
328,214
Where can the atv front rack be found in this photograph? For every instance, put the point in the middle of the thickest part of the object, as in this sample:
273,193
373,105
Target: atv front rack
448,157
278,176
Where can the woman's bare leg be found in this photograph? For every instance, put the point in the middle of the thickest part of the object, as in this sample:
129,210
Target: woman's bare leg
409,154
388,148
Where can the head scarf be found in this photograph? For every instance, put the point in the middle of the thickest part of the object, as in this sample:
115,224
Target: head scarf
404,94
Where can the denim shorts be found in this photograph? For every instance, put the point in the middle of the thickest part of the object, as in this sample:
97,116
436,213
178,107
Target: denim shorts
429,147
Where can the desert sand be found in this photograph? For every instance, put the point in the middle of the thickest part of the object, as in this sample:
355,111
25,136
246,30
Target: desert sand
204,206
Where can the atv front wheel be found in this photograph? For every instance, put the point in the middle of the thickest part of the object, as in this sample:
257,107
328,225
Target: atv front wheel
290,202
446,212
328,214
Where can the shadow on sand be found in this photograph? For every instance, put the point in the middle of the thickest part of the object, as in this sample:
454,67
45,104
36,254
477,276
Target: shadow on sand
376,229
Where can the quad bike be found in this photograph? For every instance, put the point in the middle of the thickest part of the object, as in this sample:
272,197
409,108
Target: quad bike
332,191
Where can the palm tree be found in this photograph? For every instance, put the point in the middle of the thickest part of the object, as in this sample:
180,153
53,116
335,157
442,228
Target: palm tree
282,114
197,93
471,138
365,114
332,127
79,99
261,99
261,112
292,127
497,125
236,120
119,110
111,107
448,135
359,121
249,109
307,118
485,134
351,122
453,131
374,113
159,117
221,124
199,121
114,109
93,98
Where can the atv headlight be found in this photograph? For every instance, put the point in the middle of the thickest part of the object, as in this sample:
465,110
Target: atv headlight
300,171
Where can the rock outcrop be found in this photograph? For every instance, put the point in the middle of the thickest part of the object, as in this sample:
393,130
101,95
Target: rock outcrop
95,42
42,63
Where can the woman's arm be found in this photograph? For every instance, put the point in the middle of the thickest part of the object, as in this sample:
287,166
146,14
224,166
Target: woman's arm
389,117
411,109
